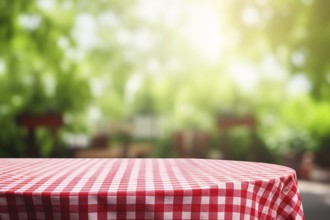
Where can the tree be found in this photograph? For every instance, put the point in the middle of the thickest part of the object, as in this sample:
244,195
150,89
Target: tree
37,75
295,31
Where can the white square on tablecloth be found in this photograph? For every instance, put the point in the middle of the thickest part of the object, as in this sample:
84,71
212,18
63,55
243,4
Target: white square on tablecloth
236,201
56,216
236,215
92,200
205,200
187,200
40,215
248,203
149,215
288,209
37,200
112,216
168,200
221,200
112,199
22,215
19,200
237,185
266,211
55,200
204,215
150,200
92,215
130,215
4,216
221,215
186,215
74,216
295,198
168,215
74,200
261,192
131,200
3,201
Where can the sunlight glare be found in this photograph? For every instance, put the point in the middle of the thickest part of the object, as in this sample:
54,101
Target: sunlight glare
132,86
173,65
298,84
85,31
2,67
143,40
201,25
94,114
271,69
47,5
250,16
245,75
150,9
204,32
154,67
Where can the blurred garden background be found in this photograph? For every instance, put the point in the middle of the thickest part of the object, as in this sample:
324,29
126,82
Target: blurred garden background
240,80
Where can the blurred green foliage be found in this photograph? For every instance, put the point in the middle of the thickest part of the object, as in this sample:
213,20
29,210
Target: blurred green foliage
73,56
36,76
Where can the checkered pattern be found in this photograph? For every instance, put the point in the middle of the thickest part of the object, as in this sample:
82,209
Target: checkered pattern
179,189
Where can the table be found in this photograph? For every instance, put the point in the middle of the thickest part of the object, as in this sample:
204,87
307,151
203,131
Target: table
178,189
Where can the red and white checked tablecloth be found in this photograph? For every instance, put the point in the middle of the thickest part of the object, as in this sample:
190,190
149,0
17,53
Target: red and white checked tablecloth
179,189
